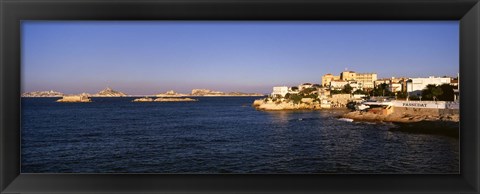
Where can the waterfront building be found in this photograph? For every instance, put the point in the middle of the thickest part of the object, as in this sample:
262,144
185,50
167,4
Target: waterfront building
382,81
395,87
280,91
416,85
338,84
356,85
366,79
454,82
327,78
323,92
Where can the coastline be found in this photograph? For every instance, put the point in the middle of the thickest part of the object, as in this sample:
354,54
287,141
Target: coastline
420,122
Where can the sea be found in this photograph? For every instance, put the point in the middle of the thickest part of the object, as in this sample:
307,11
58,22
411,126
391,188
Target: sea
218,135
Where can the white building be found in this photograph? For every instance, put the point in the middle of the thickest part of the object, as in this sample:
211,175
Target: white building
338,84
416,85
280,90
395,87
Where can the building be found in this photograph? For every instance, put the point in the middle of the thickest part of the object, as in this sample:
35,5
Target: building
348,76
395,87
416,85
338,84
367,80
382,81
280,91
327,78
304,86
293,90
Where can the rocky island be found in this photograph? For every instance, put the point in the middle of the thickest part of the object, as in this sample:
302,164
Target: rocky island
207,92
171,93
170,99
50,93
175,100
108,92
75,98
145,99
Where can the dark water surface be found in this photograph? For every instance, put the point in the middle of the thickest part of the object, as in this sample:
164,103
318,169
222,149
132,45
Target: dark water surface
217,135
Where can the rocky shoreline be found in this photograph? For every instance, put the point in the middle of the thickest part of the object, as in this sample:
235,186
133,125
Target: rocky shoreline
419,123
398,116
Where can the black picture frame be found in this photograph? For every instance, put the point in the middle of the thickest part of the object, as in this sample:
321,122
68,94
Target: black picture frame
12,12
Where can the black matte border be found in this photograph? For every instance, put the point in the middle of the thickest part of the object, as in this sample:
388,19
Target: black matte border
13,11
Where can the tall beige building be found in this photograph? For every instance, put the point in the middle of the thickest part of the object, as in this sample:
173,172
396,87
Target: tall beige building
348,75
365,80
327,78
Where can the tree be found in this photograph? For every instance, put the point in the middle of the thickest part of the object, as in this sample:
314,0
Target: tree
448,94
295,98
402,95
347,89
360,92
431,91
381,90
335,92
308,91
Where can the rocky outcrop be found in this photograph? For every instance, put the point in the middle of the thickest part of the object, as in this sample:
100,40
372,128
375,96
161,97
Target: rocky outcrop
108,92
171,93
404,116
175,100
50,93
146,99
75,98
207,92
305,104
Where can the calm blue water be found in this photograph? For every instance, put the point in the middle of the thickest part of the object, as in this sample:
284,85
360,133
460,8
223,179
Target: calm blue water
217,135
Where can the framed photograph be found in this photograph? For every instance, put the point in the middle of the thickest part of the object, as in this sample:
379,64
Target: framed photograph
239,96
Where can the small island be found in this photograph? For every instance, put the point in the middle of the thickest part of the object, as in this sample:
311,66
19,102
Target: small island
175,100
212,93
148,99
75,98
108,92
145,99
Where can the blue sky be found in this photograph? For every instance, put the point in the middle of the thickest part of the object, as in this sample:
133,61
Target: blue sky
156,56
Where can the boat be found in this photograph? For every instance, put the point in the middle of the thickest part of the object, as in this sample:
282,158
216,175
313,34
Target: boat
361,107
346,119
